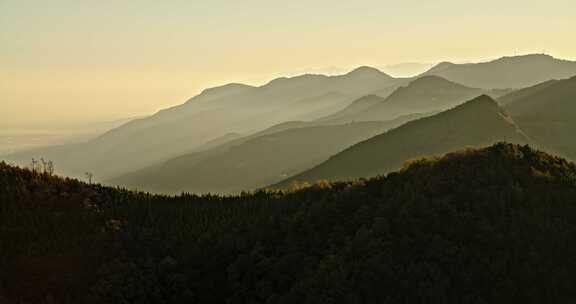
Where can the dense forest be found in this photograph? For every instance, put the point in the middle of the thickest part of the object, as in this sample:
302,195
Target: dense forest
492,225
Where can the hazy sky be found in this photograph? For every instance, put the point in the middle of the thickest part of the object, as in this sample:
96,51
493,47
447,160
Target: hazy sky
70,60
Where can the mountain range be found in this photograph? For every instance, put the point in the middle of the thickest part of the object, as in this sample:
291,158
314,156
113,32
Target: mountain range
223,121
426,94
212,114
454,186
291,150
265,158
542,115
256,161
506,72
477,122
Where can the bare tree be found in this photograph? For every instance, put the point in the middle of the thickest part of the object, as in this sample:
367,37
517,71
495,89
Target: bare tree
50,168
89,176
34,165
43,164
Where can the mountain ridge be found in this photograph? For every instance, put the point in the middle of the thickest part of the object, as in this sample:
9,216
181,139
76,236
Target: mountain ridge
217,111
238,108
506,72
423,94
254,161
479,121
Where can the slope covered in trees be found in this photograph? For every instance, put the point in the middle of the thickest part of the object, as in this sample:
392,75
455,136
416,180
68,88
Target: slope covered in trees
493,225
475,123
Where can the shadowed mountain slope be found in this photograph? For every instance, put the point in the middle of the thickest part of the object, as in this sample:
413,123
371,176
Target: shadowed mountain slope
255,161
425,94
475,123
547,113
523,93
356,107
422,95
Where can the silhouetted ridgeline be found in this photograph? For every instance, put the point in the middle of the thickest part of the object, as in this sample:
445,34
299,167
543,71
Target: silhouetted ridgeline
242,109
506,72
254,162
494,225
477,122
215,112
422,95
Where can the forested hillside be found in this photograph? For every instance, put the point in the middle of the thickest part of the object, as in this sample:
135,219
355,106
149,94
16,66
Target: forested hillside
493,225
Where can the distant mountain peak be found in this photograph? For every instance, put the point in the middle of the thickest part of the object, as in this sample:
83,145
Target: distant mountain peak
482,105
481,101
366,71
430,83
220,91
441,66
539,56
506,72
431,79
295,79
228,87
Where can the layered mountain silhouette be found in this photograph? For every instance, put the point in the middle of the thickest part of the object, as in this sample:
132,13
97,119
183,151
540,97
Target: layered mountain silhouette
506,72
523,93
355,108
233,108
407,69
426,94
255,161
206,121
547,113
356,188
475,123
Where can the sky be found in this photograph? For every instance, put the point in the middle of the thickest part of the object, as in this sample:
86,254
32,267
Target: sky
69,61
